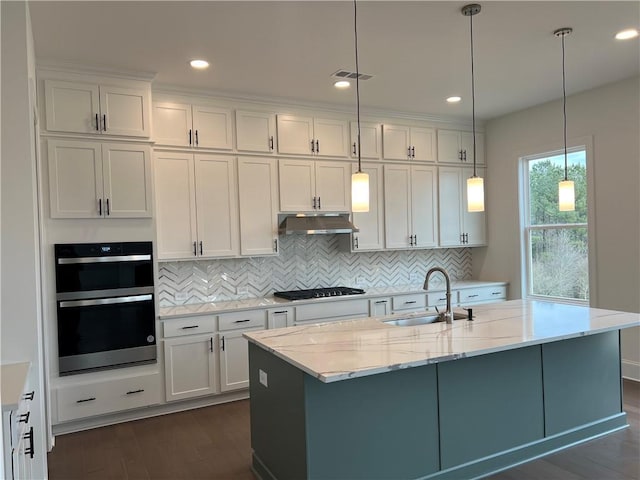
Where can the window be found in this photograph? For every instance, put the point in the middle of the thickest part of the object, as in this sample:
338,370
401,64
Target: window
555,243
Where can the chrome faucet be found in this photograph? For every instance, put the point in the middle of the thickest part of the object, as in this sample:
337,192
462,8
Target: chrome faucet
448,314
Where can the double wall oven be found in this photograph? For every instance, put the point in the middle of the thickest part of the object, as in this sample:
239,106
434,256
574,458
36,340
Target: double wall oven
105,305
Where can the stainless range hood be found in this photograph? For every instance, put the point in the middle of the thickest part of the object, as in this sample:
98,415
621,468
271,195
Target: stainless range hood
316,224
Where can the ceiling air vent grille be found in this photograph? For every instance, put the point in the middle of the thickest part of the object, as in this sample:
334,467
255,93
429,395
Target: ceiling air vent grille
348,74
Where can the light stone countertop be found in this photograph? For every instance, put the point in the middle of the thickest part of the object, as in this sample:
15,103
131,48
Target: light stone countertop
266,302
13,378
356,348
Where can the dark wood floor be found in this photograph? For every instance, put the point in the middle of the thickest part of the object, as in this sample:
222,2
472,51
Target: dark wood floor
214,443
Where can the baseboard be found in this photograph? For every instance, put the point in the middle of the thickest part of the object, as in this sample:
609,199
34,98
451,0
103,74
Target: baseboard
631,370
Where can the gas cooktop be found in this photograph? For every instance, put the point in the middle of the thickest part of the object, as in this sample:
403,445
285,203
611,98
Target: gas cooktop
318,293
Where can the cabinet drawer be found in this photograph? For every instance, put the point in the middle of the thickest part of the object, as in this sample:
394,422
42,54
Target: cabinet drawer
416,301
437,299
247,319
189,326
110,396
483,294
326,311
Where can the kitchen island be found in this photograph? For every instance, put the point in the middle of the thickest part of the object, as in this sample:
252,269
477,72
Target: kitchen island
365,399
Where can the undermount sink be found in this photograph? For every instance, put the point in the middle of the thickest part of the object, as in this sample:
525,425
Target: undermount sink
424,320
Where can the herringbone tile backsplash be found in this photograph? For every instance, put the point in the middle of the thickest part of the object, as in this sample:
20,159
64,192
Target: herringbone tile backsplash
305,261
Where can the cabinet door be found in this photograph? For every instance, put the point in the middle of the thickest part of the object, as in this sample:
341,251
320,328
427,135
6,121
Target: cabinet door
258,198
370,140
473,223
333,186
127,180
423,144
175,205
125,111
295,134
466,142
450,201
395,142
424,206
371,223
255,131
279,318
449,146
172,124
72,106
190,367
379,307
331,137
297,185
216,205
212,127
397,205
234,361
75,179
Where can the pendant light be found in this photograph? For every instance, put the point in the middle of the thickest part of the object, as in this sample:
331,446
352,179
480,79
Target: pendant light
475,184
566,188
359,180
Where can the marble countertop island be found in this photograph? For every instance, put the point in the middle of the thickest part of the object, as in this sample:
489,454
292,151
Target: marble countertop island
357,348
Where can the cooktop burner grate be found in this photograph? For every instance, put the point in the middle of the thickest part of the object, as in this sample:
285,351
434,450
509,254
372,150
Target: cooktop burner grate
318,293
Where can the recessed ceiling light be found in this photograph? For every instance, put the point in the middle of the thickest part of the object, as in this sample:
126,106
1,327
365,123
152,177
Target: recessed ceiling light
627,34
199,64
342,84
454,99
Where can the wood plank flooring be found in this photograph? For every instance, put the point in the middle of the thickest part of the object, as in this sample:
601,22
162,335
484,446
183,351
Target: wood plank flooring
214,443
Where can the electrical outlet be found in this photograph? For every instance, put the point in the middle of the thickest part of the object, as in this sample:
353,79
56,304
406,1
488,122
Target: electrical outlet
241,290
180,296
359,280
413,277
263,377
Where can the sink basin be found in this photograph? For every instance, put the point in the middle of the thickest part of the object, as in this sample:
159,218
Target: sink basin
424,320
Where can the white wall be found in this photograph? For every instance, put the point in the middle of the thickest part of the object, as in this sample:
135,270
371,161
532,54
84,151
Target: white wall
21,307
611,116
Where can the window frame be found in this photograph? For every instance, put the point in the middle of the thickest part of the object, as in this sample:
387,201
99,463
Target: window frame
574,145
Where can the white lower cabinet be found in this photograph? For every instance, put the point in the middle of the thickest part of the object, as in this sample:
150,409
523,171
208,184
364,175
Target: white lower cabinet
408,303
379,307
107,396
332,311
190,366
280,317
472,296
234,360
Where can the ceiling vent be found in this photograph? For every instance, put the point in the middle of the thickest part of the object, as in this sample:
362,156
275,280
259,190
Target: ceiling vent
347,74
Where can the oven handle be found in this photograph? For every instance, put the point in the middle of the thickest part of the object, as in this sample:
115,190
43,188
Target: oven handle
105,301
115,258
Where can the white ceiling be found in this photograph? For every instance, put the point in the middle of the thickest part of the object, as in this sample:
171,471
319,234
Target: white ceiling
418,51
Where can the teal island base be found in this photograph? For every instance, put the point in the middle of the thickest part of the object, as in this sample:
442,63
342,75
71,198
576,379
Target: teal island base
456,419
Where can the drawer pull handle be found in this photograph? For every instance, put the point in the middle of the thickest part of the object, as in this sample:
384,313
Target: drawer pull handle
410,302
24,418
496,293
381,301
131,392
190,326
90,399
441,299
29,436
242,321
29,396
473,296
280,312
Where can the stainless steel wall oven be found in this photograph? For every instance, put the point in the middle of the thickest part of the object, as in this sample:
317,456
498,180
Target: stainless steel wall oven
105,305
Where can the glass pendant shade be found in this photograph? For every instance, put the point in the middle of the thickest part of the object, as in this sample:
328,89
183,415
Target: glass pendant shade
566,196
475,194
360,192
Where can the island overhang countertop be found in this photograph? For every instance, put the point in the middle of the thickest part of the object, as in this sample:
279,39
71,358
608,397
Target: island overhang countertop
355,348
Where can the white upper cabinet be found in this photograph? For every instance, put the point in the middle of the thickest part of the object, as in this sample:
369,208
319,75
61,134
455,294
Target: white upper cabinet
99,180
307,185
197,210
300,135
255,131
258,195
78,107
371,223
458,227
409,143
456,146
411,206
194,126
370,140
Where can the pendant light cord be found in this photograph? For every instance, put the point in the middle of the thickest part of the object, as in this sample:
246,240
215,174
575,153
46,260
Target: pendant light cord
564,110
355,33
473,99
